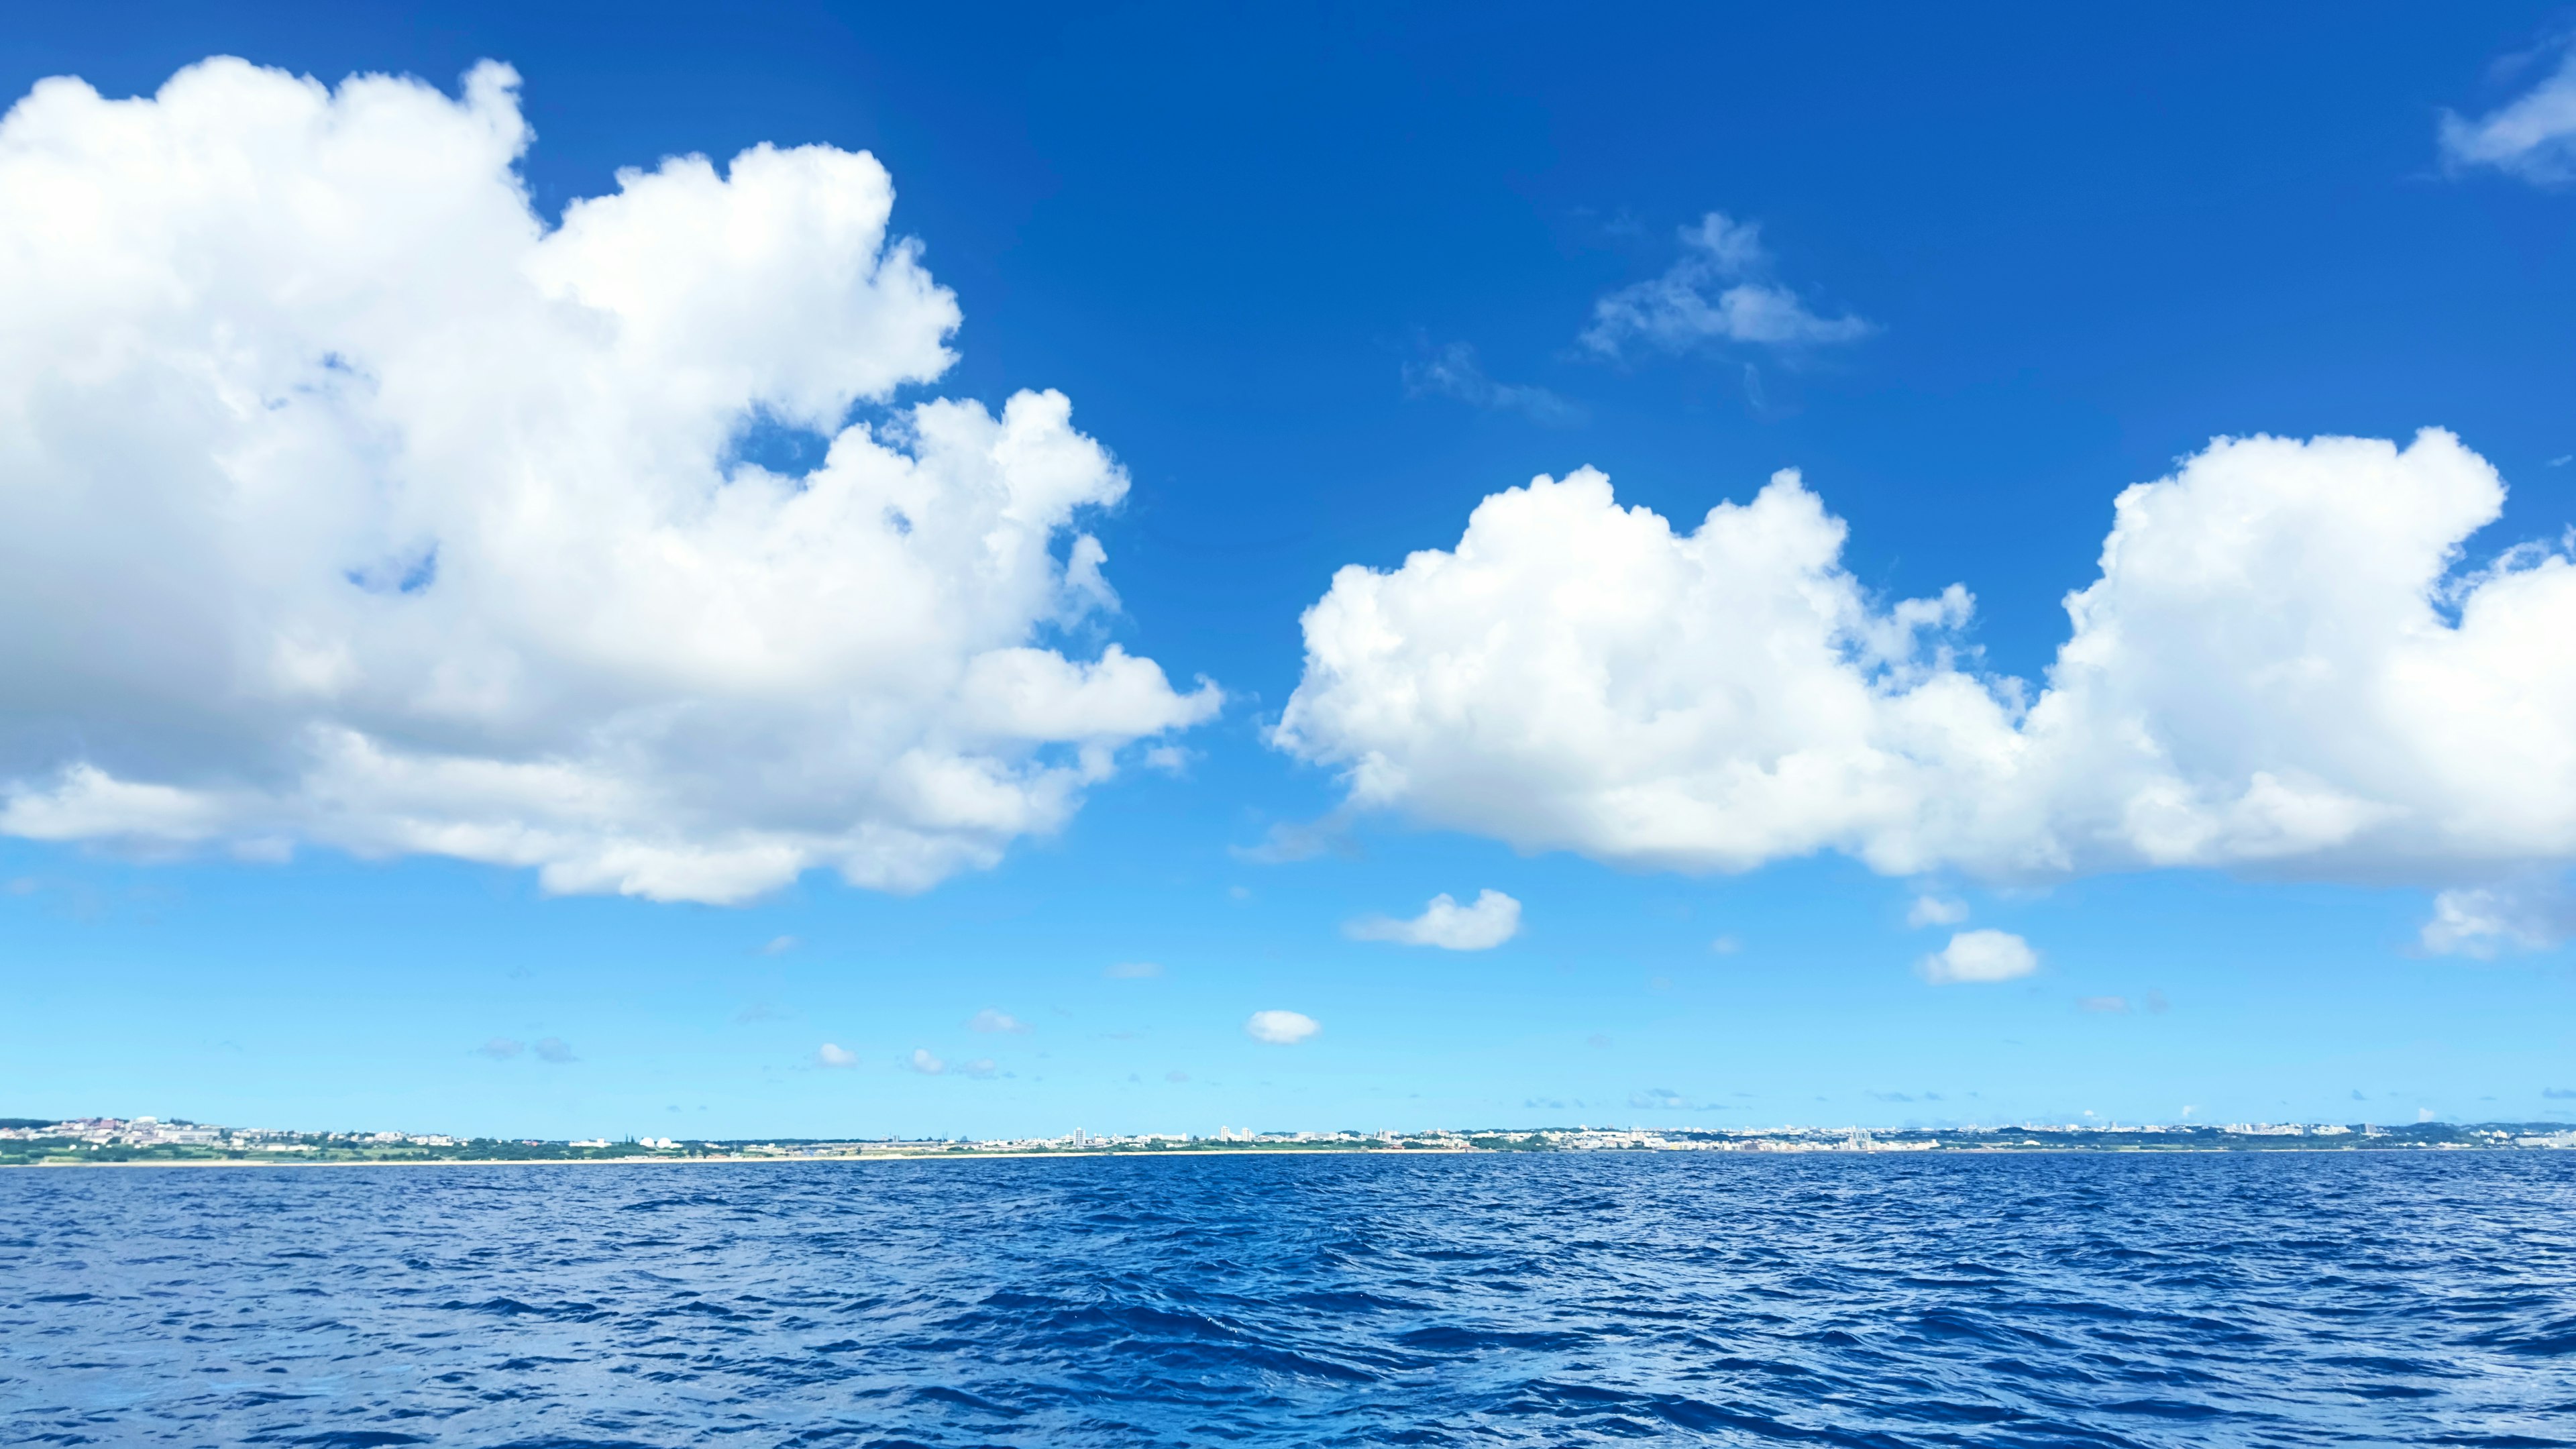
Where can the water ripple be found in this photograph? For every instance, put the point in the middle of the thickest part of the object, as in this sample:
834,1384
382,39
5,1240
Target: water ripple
2290,1299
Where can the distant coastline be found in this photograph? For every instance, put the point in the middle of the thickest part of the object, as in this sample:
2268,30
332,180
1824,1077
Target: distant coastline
151,1142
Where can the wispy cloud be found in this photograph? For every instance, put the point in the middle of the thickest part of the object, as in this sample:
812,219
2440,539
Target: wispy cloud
2530,915
500,1048
1936,911
1660,1099
1133,971
1454,372
779,946
1176,1076
555,1049
2103,1005
989,1020
1280,1028
2532,136
1980,956
1719,290
1492,920
980,1068
1290,841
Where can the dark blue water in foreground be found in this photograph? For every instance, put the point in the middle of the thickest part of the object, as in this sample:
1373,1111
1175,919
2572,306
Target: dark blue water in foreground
2281,1299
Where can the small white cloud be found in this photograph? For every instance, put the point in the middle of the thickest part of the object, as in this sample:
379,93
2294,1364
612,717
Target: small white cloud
1133,971
979,1068
779,946
555,1049
500,1049
829,1055
1936,911
2486,920
1453,371
1725,946
1281,1027
2532,136
989,1020
926,1064
1492,920
1719,290
1980,956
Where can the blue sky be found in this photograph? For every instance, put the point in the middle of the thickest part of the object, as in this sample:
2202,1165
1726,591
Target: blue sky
1322,282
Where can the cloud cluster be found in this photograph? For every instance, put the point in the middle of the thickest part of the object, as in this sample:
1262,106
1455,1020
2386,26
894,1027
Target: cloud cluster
1492,920
2284,666
1719,290
2532,136
362,507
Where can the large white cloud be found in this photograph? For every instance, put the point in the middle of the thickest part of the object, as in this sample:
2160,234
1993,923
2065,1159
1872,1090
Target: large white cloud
342,499
2281,667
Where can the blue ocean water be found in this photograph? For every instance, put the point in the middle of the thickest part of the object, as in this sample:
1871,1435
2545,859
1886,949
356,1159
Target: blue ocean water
2290,1299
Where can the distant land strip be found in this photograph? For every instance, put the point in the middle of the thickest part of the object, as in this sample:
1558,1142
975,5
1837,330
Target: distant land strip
175,1142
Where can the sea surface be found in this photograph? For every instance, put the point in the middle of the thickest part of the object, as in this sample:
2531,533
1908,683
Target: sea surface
2276,1299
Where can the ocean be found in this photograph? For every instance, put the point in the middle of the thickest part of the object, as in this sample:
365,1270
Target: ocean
1542,1299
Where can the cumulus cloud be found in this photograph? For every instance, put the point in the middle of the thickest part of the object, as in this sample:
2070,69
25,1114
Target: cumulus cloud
830,1055
2483,921
1980,956
1282,1028
1454,372
1719,290
2286,665
555,1049
923,1062
1936,911
363,507
1492,920
2532,136
980,1068
989,1020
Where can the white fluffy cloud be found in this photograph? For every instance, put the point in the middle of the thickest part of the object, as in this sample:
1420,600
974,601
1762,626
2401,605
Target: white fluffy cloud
832,1055
1979,956
2532,136
989,1020
1281,1028
924,1062
343,500
1720,290
2284,666
1492,920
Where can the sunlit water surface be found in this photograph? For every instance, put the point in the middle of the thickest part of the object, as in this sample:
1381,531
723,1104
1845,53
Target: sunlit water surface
2291,1299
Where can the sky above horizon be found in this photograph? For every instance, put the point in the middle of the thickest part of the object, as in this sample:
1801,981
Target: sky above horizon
819,572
